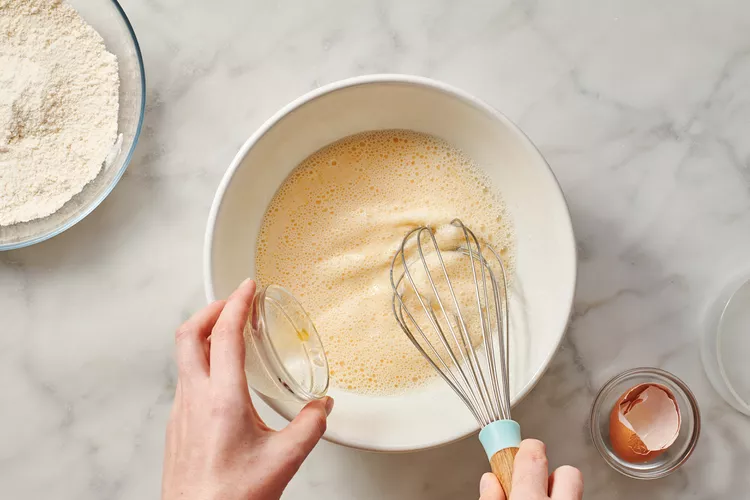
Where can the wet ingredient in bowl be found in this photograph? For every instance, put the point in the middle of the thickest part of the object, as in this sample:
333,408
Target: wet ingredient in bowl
333,227
58,107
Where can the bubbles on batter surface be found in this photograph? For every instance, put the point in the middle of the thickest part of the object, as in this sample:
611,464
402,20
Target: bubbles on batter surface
331,230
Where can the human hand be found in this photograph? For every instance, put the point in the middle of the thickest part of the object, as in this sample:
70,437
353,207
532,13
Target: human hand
217,446
530,481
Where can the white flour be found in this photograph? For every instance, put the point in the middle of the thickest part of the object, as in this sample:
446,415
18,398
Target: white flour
58,107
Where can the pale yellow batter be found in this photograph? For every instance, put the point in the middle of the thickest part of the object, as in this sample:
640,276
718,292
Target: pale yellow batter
331,231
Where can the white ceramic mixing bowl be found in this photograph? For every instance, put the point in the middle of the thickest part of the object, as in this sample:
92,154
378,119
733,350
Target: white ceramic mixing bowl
542,295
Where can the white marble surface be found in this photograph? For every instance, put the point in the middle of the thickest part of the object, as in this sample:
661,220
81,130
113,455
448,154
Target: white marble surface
641,107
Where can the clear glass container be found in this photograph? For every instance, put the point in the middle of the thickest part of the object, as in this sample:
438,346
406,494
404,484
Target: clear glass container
676,455
726,346
284,357
110,21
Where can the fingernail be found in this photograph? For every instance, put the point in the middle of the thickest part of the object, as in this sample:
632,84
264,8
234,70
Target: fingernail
485,482
329,405
247,280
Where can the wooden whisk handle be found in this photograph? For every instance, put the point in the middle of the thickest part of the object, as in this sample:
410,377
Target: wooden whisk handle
502,466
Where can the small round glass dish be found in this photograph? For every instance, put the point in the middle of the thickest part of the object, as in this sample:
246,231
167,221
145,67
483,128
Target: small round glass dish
110,21
726,345
676,455
284,357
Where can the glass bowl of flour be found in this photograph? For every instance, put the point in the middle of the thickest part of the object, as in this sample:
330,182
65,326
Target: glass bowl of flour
72,98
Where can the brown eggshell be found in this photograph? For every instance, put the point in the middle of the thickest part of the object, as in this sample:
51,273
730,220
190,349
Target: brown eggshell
625,443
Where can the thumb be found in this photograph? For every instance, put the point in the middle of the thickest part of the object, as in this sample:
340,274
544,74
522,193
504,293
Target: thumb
489,488
304,432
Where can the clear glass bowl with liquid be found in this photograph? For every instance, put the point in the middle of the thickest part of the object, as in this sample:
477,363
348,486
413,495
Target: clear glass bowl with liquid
284,357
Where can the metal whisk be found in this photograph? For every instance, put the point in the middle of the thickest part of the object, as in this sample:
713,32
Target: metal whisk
431,313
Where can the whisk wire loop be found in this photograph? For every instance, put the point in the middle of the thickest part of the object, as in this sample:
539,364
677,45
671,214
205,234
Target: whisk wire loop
481,384
485,319
466,388
463,341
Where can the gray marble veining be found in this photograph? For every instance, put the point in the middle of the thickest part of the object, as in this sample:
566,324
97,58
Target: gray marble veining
642,109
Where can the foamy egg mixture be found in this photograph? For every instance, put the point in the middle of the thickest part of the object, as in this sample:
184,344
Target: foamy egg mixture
331,231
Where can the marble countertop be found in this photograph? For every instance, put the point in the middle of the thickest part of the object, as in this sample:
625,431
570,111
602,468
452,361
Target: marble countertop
642,109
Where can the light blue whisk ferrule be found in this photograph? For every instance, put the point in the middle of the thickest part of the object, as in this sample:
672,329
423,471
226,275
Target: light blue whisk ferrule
499,435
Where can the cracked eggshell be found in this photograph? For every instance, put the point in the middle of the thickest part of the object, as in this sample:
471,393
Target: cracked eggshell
644,422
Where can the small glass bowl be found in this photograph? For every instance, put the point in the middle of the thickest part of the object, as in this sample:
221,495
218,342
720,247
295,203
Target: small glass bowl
284,357
675,455
726,344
